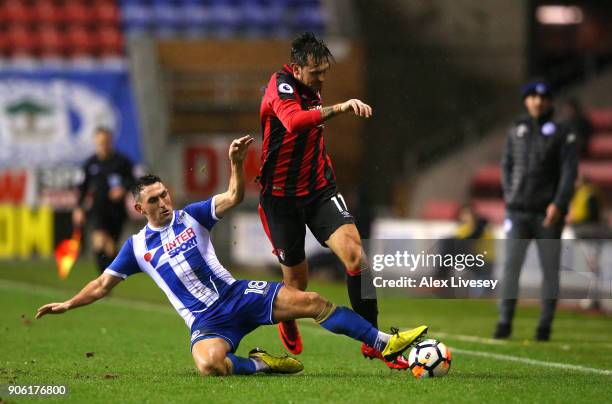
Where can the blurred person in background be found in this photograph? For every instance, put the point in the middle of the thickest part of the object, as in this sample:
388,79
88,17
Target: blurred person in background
585,217
574,117
298,184
539,168
473,235
101,197
476,236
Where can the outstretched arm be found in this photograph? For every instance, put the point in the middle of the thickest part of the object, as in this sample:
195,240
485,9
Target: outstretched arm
295,119
355,106
235,191
94,290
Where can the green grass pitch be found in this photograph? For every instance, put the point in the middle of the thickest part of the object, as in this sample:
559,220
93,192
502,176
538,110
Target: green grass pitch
140,351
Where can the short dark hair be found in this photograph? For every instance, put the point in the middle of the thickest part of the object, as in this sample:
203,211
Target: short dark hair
143,182
307,44
103,129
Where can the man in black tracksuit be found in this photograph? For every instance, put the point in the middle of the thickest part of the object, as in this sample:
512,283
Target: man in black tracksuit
107,177
539,169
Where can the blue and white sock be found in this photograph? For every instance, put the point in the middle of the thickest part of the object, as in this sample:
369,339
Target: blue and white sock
381,341
243,366
345,321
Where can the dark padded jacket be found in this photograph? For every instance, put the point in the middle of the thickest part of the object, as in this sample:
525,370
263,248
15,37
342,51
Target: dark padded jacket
539,164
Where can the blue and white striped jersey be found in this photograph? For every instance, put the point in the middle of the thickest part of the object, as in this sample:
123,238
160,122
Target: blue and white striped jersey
180,258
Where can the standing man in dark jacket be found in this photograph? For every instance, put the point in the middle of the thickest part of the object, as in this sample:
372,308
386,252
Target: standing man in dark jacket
539,168
107,177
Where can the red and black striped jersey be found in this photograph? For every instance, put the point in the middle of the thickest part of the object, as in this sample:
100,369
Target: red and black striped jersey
293,159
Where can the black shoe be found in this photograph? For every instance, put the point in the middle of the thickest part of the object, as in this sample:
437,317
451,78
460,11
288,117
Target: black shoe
542,334
502,331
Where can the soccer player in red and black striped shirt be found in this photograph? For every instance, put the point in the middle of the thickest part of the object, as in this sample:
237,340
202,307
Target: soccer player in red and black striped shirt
298,186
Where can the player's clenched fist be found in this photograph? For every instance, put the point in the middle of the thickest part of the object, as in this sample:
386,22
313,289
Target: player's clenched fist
52,308
358,107
238,148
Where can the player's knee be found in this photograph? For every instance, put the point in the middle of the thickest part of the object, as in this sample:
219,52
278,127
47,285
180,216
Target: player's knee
212,367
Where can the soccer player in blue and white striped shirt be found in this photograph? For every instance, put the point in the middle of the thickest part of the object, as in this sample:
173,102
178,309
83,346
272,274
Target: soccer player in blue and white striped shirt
175,250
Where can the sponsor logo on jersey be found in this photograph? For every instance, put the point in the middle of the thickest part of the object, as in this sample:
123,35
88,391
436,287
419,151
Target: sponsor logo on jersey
183,242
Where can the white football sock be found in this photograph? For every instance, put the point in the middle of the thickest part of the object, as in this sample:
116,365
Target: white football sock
260,365
381,340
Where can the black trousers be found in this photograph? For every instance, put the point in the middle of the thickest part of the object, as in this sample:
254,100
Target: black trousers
521,228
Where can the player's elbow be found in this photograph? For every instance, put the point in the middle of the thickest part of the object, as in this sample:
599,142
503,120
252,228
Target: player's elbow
298,122
296,126
234,200
292,126
104,285
238,197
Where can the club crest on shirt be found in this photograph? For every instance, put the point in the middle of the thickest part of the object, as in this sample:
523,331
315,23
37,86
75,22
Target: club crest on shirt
521,130
548,129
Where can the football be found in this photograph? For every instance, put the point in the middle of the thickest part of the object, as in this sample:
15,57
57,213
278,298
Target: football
430,358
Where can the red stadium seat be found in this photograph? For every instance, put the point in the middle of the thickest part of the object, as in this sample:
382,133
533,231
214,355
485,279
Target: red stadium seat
18,12
22,41
4,44
51,41
3,17
487,181
600,146
110,41
81,41
601,119
441,210
598,172
77,13
106,13
493,210
47,12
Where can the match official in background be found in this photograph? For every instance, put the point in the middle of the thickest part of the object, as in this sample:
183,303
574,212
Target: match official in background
107,176
539,168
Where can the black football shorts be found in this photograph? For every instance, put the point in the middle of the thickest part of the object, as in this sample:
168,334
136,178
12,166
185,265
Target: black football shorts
110,220
285,219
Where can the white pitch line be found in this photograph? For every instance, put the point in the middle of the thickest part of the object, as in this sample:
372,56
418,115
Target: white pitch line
472,338
45,290
536,362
